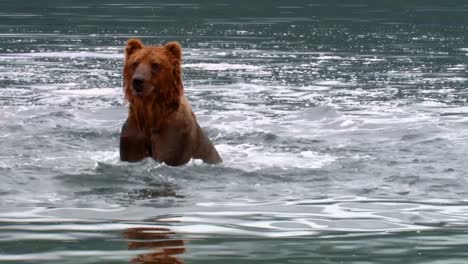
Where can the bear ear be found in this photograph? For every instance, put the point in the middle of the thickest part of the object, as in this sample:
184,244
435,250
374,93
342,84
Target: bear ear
175,49
132,46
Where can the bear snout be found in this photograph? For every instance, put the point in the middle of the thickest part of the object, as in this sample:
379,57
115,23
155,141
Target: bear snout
138,84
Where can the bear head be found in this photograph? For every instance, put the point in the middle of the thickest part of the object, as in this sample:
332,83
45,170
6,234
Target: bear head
153,73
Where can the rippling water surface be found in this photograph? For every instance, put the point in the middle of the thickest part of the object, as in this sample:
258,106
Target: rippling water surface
343,126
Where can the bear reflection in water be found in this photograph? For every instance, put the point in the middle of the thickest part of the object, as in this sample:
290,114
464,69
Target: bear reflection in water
162,242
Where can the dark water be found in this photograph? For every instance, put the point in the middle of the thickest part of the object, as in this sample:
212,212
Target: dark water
343,126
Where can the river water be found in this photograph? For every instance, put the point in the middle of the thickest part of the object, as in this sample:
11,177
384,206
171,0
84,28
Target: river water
343,126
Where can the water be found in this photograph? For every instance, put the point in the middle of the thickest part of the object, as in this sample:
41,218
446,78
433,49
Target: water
343,126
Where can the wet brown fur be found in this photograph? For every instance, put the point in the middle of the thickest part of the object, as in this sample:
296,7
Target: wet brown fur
160,123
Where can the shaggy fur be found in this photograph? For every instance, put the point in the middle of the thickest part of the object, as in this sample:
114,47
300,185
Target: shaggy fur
160,123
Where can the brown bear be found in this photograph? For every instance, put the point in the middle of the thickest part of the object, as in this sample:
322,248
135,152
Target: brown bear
160,123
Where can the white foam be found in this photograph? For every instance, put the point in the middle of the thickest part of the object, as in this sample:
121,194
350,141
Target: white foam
222,66
251,158
65,54
458,67
329,57
91,92
3,166
330,83
111,157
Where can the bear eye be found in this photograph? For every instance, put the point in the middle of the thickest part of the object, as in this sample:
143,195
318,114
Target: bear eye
155,67
135,65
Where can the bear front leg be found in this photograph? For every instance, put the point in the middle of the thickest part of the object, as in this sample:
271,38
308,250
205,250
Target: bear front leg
205,150
133,144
